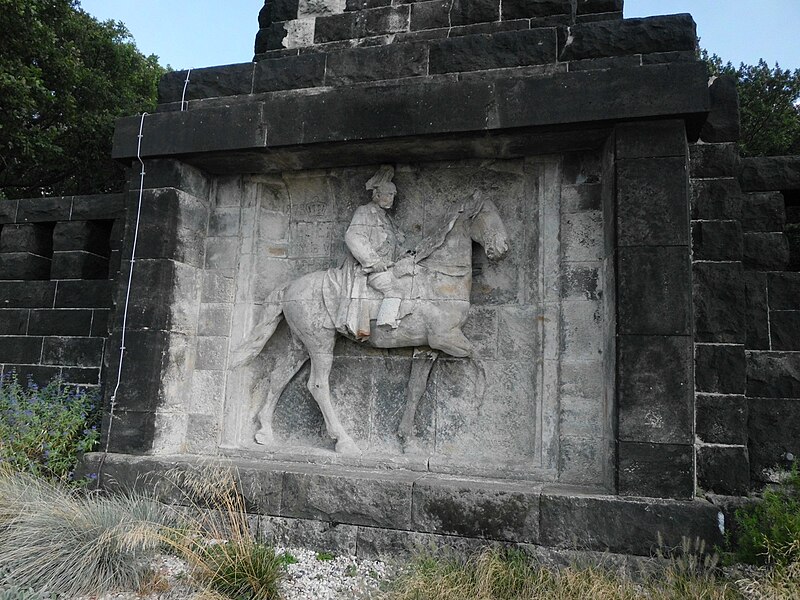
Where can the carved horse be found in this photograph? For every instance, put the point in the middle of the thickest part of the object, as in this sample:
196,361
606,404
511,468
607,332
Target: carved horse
436,299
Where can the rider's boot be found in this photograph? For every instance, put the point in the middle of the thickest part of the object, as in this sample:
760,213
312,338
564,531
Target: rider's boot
387,313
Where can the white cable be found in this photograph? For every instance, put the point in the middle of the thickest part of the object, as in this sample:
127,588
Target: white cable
185,85
113,403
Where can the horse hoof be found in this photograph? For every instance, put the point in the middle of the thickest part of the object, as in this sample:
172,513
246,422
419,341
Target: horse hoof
347,446
264,439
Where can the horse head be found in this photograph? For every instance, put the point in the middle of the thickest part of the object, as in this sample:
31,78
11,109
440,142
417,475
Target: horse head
487,227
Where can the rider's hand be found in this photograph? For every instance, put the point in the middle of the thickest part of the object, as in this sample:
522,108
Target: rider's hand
378,267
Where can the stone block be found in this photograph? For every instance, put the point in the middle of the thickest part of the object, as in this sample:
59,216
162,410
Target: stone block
90,236
630,36
581,330
36,210
390,544
579,198
624,525
27,294
76,264
290,73
721,419
438,13
655,470
8,211
526,9
13,321
785,329
716,199
40,375
73,351
336,538
653,291
163,296
655,396
171,173
84,294
719,368
100,323
24,265
211,352
652,202
97,206
498,511
773,374
714,160
582,460
277,10
723,470
133,431
504,49
650,139
586,7
769,173
765,251
773,432
31,238
20,349
581,237
210,82
717,240
580,282
591,18
756,310
218,286
81,375
722,124
784,291
719,303
369,499
360,24
364,4
60,322
214,319
376,63
763,211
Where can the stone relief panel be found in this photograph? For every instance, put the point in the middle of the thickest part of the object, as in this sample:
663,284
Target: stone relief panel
533,315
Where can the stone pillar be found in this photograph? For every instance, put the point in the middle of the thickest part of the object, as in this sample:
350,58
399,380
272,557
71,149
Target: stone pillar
655,403
149,412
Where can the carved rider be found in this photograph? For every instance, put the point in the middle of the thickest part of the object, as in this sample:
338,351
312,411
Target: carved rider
374,241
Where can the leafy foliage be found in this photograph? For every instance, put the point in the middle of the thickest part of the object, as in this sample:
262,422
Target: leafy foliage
64,79
769,105
44,430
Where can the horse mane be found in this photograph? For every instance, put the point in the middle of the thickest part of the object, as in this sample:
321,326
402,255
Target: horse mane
467,211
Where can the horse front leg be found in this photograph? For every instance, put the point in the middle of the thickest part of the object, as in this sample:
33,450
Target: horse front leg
421,365
319,386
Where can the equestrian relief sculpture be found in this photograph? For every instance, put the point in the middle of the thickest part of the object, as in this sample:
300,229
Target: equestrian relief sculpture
385,295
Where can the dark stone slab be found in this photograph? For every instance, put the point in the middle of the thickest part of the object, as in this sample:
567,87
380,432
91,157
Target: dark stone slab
494,27
345,497
714,160
523,9
723,470
60,322
277,10
40,375
717,240
8,211
785,329
73,351
773,432
719,368
77,264
498,511
716,199
91,236
655,470
657,58
773,375
20,349
169,173
756,310
770,173
292,72
652,202
24,265
504,49
611,62
211,82
784,291
591,18
13,321
271,38
585,7
364,4
653,291
723,120
630,36
360,24
133,431
81,376
84,294
33,210
721,419
719,303
33,238
655,398
27,294
763,211
98,206
765,251
650,139
100,323
335,538
626,525
376,543
439,13
380,62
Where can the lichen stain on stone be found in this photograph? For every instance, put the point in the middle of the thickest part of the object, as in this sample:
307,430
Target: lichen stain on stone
484,519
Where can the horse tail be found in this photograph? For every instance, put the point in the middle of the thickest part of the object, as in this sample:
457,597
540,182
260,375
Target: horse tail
258,338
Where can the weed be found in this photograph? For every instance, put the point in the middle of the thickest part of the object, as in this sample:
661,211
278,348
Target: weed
242,571
351,571
323,556
288,559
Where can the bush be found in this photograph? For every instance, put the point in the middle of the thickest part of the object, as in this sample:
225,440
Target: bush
43,431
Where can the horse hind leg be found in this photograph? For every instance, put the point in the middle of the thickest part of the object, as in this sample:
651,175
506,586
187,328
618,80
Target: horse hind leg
287,367
421,365
319,386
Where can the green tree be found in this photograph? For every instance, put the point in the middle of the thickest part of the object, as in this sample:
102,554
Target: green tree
769,100
64,79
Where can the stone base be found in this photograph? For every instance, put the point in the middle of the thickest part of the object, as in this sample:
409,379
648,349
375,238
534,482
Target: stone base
373,512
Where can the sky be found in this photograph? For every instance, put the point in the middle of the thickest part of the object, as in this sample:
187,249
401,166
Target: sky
204,33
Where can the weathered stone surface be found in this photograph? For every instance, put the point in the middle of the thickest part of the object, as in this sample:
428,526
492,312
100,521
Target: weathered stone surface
13,321
372,64
756,310
784,291
721,419
655,397
626,525
770,173
765,211
89,236
40,375
27,294
24,265
289,73
714,160
505,49
277,10
585,7
723,120
719,368
523,9
500,511
785,329
228,80
655,470
73,351
723,470
653,291
20,349
97,206
377,543
60,322
717,240
630,36
440,13
32,238
610,62
359,24
77,264
773,375
765,251
83,294
336,538
773,431
717,199
653,202
35,210
651,139
719,302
